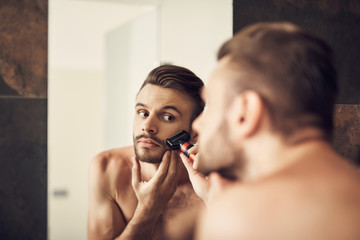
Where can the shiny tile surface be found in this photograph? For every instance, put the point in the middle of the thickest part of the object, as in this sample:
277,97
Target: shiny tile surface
336,21
346,138
23,46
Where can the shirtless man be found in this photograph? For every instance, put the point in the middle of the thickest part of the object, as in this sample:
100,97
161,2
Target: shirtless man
137,191
268,124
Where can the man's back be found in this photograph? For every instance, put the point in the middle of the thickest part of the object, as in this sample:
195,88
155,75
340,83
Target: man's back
114,201
317,197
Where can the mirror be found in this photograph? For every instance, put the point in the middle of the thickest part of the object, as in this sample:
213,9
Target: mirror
99,53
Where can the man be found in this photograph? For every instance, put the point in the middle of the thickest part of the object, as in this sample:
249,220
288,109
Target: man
267,124
136,192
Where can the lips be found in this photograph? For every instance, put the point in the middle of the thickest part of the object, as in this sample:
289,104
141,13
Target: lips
147,142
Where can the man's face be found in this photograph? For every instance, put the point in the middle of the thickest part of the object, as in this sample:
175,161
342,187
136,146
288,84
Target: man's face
215,149
159,114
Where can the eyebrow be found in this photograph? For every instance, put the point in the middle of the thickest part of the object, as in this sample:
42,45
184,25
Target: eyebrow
163,108
140,105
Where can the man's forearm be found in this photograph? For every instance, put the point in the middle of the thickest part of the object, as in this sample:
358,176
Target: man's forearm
141,225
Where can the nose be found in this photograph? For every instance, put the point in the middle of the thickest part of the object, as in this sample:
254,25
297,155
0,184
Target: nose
197,123
150,125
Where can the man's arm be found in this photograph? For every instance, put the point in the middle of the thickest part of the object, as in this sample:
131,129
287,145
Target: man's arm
105,220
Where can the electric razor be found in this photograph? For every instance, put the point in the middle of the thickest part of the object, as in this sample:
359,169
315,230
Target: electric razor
180,141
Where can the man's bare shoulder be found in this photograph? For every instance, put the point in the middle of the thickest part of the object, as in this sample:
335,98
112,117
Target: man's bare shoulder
116,156
310,185
113,166
315,199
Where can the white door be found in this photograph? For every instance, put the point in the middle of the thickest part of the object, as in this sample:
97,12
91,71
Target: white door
131,53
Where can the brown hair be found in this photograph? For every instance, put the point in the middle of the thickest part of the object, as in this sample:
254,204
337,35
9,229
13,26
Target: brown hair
180,79
291,69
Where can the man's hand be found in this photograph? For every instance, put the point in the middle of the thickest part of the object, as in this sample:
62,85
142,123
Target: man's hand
199,181
154,194
205,187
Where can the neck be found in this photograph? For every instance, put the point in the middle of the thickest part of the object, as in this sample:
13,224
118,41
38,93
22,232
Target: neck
278,153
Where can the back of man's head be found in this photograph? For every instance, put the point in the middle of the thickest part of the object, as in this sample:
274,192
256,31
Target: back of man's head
291,69
180,79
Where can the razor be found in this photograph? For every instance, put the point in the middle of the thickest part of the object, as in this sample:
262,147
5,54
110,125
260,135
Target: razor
180,141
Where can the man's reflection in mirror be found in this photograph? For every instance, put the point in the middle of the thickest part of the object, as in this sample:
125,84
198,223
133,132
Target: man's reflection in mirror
137,192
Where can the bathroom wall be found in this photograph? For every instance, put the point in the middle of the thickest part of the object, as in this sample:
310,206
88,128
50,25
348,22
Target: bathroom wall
338,22
23,119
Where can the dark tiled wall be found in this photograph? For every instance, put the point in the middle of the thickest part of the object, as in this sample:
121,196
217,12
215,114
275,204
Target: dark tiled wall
23,119
338,22
23,168
347,131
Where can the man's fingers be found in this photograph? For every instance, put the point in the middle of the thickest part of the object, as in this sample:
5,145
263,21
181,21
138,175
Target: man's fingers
198,181
193,173
196,161
136,176
194,149
171,174
160,174
187,163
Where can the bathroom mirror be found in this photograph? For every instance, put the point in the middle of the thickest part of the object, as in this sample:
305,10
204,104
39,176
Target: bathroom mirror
100,51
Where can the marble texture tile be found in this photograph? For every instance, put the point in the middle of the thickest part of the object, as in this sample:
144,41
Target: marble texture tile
346,136
23,46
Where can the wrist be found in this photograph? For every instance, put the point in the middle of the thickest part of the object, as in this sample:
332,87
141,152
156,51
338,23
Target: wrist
146,211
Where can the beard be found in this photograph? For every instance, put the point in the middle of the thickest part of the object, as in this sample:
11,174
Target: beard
150,155
218,155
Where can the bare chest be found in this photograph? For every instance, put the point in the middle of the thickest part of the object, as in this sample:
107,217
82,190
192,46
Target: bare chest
183,199
178,217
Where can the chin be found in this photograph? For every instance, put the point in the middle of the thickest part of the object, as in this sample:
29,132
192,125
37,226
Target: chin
148,157
227,173
203,169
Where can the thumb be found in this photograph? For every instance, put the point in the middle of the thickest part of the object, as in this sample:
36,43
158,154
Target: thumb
135,178
187,163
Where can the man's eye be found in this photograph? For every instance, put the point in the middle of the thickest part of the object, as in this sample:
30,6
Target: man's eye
143,113
168,118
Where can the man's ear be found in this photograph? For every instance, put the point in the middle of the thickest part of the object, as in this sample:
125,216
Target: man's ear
245,113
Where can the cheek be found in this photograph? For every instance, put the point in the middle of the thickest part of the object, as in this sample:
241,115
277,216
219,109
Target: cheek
211,120
136,124
168,130
212,126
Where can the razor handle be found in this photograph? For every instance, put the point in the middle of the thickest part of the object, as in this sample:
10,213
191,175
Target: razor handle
184,149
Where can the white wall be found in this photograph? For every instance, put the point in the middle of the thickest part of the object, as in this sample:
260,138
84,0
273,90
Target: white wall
192,31
132,53
75,135
76,104
189,34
